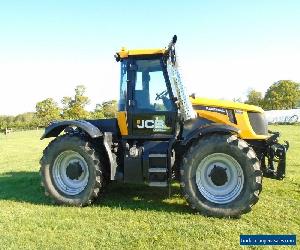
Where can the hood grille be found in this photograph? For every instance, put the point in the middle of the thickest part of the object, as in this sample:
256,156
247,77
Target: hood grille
258,122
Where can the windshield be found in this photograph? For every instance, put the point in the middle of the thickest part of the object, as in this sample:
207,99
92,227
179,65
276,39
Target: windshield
151,92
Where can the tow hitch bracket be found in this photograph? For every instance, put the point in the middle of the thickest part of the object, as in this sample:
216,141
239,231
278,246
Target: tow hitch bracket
275,152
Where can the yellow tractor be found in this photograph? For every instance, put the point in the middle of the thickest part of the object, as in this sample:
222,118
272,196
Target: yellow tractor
217,150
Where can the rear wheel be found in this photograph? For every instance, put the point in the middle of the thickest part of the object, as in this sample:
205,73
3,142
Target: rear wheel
71,171
221,176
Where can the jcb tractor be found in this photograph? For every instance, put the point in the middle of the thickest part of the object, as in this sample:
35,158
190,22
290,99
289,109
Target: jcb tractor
217,150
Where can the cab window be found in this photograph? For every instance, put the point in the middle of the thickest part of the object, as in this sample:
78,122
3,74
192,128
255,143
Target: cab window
123,87
151,92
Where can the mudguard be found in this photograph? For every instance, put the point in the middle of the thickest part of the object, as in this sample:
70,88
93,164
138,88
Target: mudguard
55,128
195,131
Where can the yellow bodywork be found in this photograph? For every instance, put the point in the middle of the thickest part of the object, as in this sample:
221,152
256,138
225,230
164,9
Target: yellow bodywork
241,115
242,119
122,122
225,104
123,53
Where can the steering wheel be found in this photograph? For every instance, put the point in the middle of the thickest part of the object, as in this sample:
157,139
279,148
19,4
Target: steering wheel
161,95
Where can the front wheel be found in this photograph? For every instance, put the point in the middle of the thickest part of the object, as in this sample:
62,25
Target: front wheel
71,171
221,176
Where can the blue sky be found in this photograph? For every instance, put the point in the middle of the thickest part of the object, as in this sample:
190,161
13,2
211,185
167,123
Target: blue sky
224,47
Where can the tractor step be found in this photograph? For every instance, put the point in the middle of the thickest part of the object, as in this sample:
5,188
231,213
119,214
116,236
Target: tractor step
158,155
158,184
156,164
157,170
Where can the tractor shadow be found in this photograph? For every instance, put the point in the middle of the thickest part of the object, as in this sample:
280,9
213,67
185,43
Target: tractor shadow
142,197
22,187
25,187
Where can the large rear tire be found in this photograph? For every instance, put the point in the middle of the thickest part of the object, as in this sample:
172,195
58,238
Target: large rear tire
221,176
71,171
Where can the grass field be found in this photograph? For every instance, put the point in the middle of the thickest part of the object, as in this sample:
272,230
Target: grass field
131,217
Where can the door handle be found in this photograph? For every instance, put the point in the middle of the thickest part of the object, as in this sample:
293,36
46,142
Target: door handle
131,103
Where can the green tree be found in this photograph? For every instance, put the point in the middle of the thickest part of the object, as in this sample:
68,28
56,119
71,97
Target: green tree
298,103
254,98
47,111
106,109
6,121
110,108
21,121
74,108
98,112
24,120
283,94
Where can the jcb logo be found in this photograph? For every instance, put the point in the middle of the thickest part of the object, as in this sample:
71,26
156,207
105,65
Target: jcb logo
156,124
145,123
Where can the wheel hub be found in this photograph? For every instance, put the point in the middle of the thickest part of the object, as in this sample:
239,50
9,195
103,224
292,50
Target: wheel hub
74,170
218,175
70,172
219,178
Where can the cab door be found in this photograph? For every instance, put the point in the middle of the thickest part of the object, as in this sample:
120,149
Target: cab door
152,112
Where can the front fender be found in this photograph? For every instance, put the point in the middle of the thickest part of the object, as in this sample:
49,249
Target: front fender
208,129
55,128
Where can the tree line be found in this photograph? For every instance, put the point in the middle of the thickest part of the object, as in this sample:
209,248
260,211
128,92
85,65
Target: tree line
72,107
284,94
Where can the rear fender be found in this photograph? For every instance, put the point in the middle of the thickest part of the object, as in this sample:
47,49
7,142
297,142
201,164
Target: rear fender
55,128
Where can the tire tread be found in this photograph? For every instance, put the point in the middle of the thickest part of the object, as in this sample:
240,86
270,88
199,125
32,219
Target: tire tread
82,142
234,142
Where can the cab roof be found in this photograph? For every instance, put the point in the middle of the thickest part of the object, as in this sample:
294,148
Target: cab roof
123,53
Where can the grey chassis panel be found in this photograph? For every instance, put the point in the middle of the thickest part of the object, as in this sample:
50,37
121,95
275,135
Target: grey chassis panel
112,158
55,128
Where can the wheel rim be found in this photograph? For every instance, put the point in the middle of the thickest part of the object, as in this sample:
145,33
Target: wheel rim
70,172
219,178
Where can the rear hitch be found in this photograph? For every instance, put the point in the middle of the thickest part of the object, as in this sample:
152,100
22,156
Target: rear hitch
275,152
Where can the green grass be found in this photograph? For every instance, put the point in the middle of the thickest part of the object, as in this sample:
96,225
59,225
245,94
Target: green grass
131,217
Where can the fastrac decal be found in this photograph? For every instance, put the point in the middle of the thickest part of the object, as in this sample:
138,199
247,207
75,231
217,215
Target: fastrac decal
157,124
213,109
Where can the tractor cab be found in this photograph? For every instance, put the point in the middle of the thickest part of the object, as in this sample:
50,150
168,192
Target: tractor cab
148,96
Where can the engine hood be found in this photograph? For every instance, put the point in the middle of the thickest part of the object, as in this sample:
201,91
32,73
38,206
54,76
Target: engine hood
225,104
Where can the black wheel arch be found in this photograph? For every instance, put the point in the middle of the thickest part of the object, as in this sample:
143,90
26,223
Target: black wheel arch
55,128
195,132
102,140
